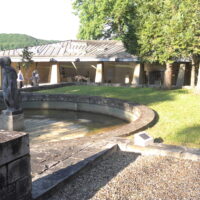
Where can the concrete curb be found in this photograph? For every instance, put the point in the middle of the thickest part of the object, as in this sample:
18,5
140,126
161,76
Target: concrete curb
157,149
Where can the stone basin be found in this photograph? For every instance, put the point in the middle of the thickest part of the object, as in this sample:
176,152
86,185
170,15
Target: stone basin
56,125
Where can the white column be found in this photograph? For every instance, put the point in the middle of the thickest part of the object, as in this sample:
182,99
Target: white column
99,73
55,74
136,75
181,75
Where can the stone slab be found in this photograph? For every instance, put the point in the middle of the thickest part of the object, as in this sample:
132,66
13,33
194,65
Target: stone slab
13,145
42,188
18,169
3,176
23,187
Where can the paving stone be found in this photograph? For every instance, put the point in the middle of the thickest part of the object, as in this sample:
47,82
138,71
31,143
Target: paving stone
3,176
18,169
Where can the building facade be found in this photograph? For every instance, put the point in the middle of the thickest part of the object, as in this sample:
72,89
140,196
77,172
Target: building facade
102,61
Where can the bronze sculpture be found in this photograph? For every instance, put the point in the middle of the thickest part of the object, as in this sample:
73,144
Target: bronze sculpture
11,94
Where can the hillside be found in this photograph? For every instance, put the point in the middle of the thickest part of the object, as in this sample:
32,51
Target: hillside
13,41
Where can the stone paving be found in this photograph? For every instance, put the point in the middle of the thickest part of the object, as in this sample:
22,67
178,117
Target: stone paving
55,137
54,162
54,148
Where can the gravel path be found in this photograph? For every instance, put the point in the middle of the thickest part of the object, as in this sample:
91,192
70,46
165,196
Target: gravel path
124,176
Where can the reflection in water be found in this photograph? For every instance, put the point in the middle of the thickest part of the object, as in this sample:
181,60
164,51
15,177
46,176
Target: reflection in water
55,125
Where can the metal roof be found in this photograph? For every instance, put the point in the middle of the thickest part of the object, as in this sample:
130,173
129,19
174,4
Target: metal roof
76,50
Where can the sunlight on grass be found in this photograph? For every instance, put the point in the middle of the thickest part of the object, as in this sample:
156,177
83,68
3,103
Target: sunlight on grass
178,110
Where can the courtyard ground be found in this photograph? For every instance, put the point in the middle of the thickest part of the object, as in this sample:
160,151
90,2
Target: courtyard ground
130,176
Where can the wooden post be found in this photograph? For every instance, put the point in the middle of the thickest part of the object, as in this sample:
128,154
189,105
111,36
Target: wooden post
181,75
148,77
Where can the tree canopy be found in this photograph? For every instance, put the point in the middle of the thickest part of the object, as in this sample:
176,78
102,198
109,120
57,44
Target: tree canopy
107,19
157,30
168,29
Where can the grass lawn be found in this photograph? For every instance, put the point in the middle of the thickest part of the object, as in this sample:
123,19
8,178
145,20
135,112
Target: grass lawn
178,110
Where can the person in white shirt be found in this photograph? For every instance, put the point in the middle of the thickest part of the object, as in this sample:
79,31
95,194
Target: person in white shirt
20,79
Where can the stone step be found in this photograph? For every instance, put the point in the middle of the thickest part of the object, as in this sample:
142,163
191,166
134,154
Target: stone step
45,186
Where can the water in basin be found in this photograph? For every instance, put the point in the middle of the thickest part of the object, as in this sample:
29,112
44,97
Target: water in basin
56,125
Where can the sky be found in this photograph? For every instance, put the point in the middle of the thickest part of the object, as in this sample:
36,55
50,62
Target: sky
43,19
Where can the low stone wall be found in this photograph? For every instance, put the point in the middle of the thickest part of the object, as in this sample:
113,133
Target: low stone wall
109,106
15,179
138,116
46,87
58,85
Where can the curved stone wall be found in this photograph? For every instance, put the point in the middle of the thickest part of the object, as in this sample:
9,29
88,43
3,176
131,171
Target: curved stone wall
138,116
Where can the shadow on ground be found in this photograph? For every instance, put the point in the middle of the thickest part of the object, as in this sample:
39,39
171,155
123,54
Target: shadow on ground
189,135
88,181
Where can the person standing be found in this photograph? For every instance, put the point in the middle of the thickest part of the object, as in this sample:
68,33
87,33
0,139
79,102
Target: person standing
20,79
37,77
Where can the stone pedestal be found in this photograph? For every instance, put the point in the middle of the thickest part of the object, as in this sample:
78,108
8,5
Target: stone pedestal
15,170
11,121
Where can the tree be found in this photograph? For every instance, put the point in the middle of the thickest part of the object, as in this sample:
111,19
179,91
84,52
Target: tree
107,19
26,62
187,32
157,30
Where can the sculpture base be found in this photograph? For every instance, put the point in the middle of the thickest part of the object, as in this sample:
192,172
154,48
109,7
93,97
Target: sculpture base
11,122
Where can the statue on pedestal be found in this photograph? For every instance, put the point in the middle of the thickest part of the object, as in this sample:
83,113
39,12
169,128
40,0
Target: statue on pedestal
11,94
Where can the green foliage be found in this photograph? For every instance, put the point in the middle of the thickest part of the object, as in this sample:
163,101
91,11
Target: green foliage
178,120
13,41
26,61
26,57
157,30
107,19
168,29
